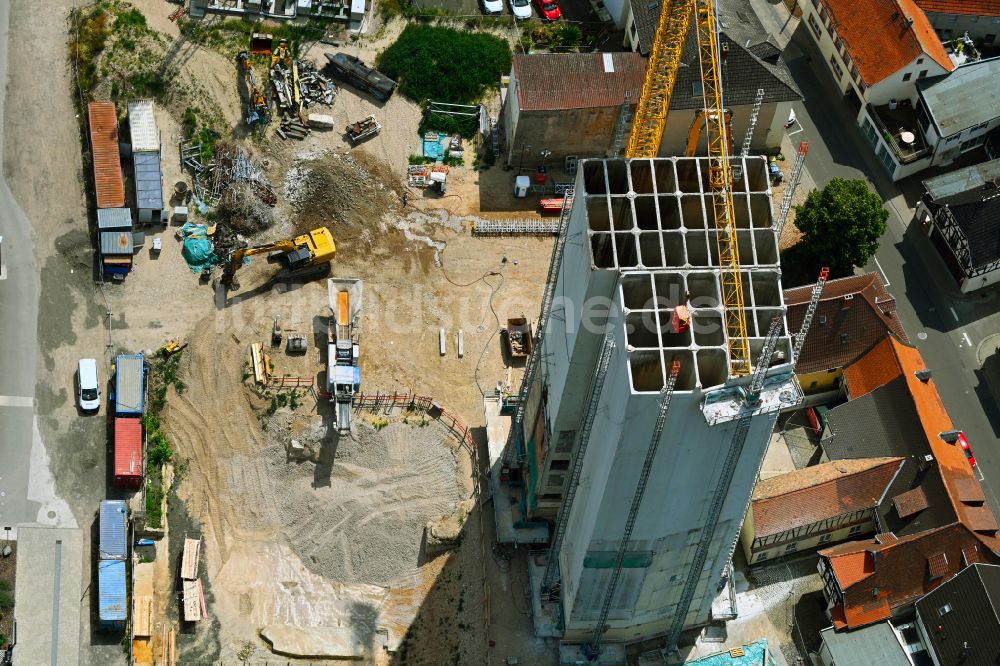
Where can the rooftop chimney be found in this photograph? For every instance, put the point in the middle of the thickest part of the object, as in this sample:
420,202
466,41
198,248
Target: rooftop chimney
923,375
950,436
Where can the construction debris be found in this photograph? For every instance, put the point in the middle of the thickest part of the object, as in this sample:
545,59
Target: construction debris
315,88
189,560
293,129
237,185
363,129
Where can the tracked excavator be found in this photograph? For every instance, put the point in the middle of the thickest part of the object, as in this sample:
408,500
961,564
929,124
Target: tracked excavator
257,109
303,258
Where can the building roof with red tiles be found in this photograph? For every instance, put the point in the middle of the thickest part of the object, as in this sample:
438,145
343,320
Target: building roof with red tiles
883,36
965,7
813,494
853,314
556,81
876,578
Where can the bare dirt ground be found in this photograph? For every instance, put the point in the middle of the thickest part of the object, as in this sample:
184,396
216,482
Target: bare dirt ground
336,542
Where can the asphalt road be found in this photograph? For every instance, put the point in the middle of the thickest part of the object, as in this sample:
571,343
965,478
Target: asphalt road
953,332
18,331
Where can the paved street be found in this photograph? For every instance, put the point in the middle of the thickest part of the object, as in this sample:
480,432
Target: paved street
27,491
952,331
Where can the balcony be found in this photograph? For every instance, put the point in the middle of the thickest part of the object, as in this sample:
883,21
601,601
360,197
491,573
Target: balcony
900,130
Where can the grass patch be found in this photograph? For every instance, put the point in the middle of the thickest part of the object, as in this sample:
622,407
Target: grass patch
444,64
464,126
154,501
87,43
225,36
551,36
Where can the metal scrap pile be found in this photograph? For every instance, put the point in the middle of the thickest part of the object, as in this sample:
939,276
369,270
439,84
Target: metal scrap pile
313,86
238,186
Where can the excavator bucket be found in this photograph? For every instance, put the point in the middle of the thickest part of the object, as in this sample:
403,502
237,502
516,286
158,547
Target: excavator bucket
261,43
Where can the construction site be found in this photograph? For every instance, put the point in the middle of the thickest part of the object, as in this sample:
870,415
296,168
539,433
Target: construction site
415,416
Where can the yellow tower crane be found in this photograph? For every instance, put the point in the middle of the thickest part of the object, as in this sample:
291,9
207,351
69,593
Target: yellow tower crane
647,132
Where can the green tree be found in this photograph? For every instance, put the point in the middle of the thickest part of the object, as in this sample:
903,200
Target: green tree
841,225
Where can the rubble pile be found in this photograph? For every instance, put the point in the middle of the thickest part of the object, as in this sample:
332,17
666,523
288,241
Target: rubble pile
314,87
238,186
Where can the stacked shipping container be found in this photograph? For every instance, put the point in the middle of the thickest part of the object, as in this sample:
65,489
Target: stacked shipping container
111,566
129,404
146,161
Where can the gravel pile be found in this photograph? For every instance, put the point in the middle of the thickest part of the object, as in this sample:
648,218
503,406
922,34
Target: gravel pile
364,523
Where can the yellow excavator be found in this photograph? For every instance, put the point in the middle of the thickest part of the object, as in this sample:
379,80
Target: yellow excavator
303,258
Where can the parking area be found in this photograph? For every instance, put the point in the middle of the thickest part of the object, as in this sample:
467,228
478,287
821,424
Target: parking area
572,10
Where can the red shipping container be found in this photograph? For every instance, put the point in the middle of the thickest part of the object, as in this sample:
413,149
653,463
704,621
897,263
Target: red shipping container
109,185
128,452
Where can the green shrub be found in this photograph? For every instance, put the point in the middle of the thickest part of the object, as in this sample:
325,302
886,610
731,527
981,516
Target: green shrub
446,65
464,126
160,452
132,18
6,600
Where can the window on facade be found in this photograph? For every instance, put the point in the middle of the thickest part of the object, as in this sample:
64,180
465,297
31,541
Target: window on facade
952,18
856,529
559,465
972,19
843,338
906,77
552,497
761,557
791,548
922,74
885,157
825,538
696,88
920,61
953,138
835,66
814,25
989,39
980,126
944,610
972,143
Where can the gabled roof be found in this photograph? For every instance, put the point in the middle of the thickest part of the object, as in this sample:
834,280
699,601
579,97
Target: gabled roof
883,36
813,494
853,314
980,224
552,81
892,357
961,618
963,98
877,577
965,7
751,62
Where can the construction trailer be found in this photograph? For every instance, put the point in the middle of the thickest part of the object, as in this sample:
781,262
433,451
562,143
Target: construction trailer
112,595
146,170
343,349
113,543
116,252
128,458
130,388
640,238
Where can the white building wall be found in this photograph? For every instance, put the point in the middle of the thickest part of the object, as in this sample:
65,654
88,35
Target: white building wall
953,26
894,87
620,11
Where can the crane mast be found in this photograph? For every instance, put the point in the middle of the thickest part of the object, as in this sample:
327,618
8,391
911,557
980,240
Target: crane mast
720,181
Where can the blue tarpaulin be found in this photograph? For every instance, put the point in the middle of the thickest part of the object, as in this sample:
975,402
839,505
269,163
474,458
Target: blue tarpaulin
198,251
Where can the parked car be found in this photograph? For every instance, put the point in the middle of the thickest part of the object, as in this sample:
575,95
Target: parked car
966,449
521,8
549,9
88,390
492,6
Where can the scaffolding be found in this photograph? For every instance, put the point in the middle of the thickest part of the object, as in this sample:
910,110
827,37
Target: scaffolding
817,291
515,228
793,182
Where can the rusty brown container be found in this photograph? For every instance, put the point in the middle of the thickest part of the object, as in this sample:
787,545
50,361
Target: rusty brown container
108,182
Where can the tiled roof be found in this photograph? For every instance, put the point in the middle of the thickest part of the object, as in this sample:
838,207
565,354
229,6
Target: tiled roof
911,502
551,81
853,314
881,364
813,494
878,38
883,422
966,7
916,500
959,616
879,577
751,63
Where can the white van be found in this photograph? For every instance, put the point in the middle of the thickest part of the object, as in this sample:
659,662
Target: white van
88,391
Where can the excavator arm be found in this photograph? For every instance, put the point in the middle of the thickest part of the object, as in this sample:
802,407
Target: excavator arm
312,249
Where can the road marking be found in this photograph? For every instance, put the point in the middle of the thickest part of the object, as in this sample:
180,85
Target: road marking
982,478
3,271
16,401
885,278
796,131
953,313
967,340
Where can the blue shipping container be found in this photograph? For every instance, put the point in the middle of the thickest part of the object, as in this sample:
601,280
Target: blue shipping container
111,594
129,389
114,530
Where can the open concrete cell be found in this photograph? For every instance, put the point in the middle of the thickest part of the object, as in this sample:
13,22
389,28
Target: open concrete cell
653,220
